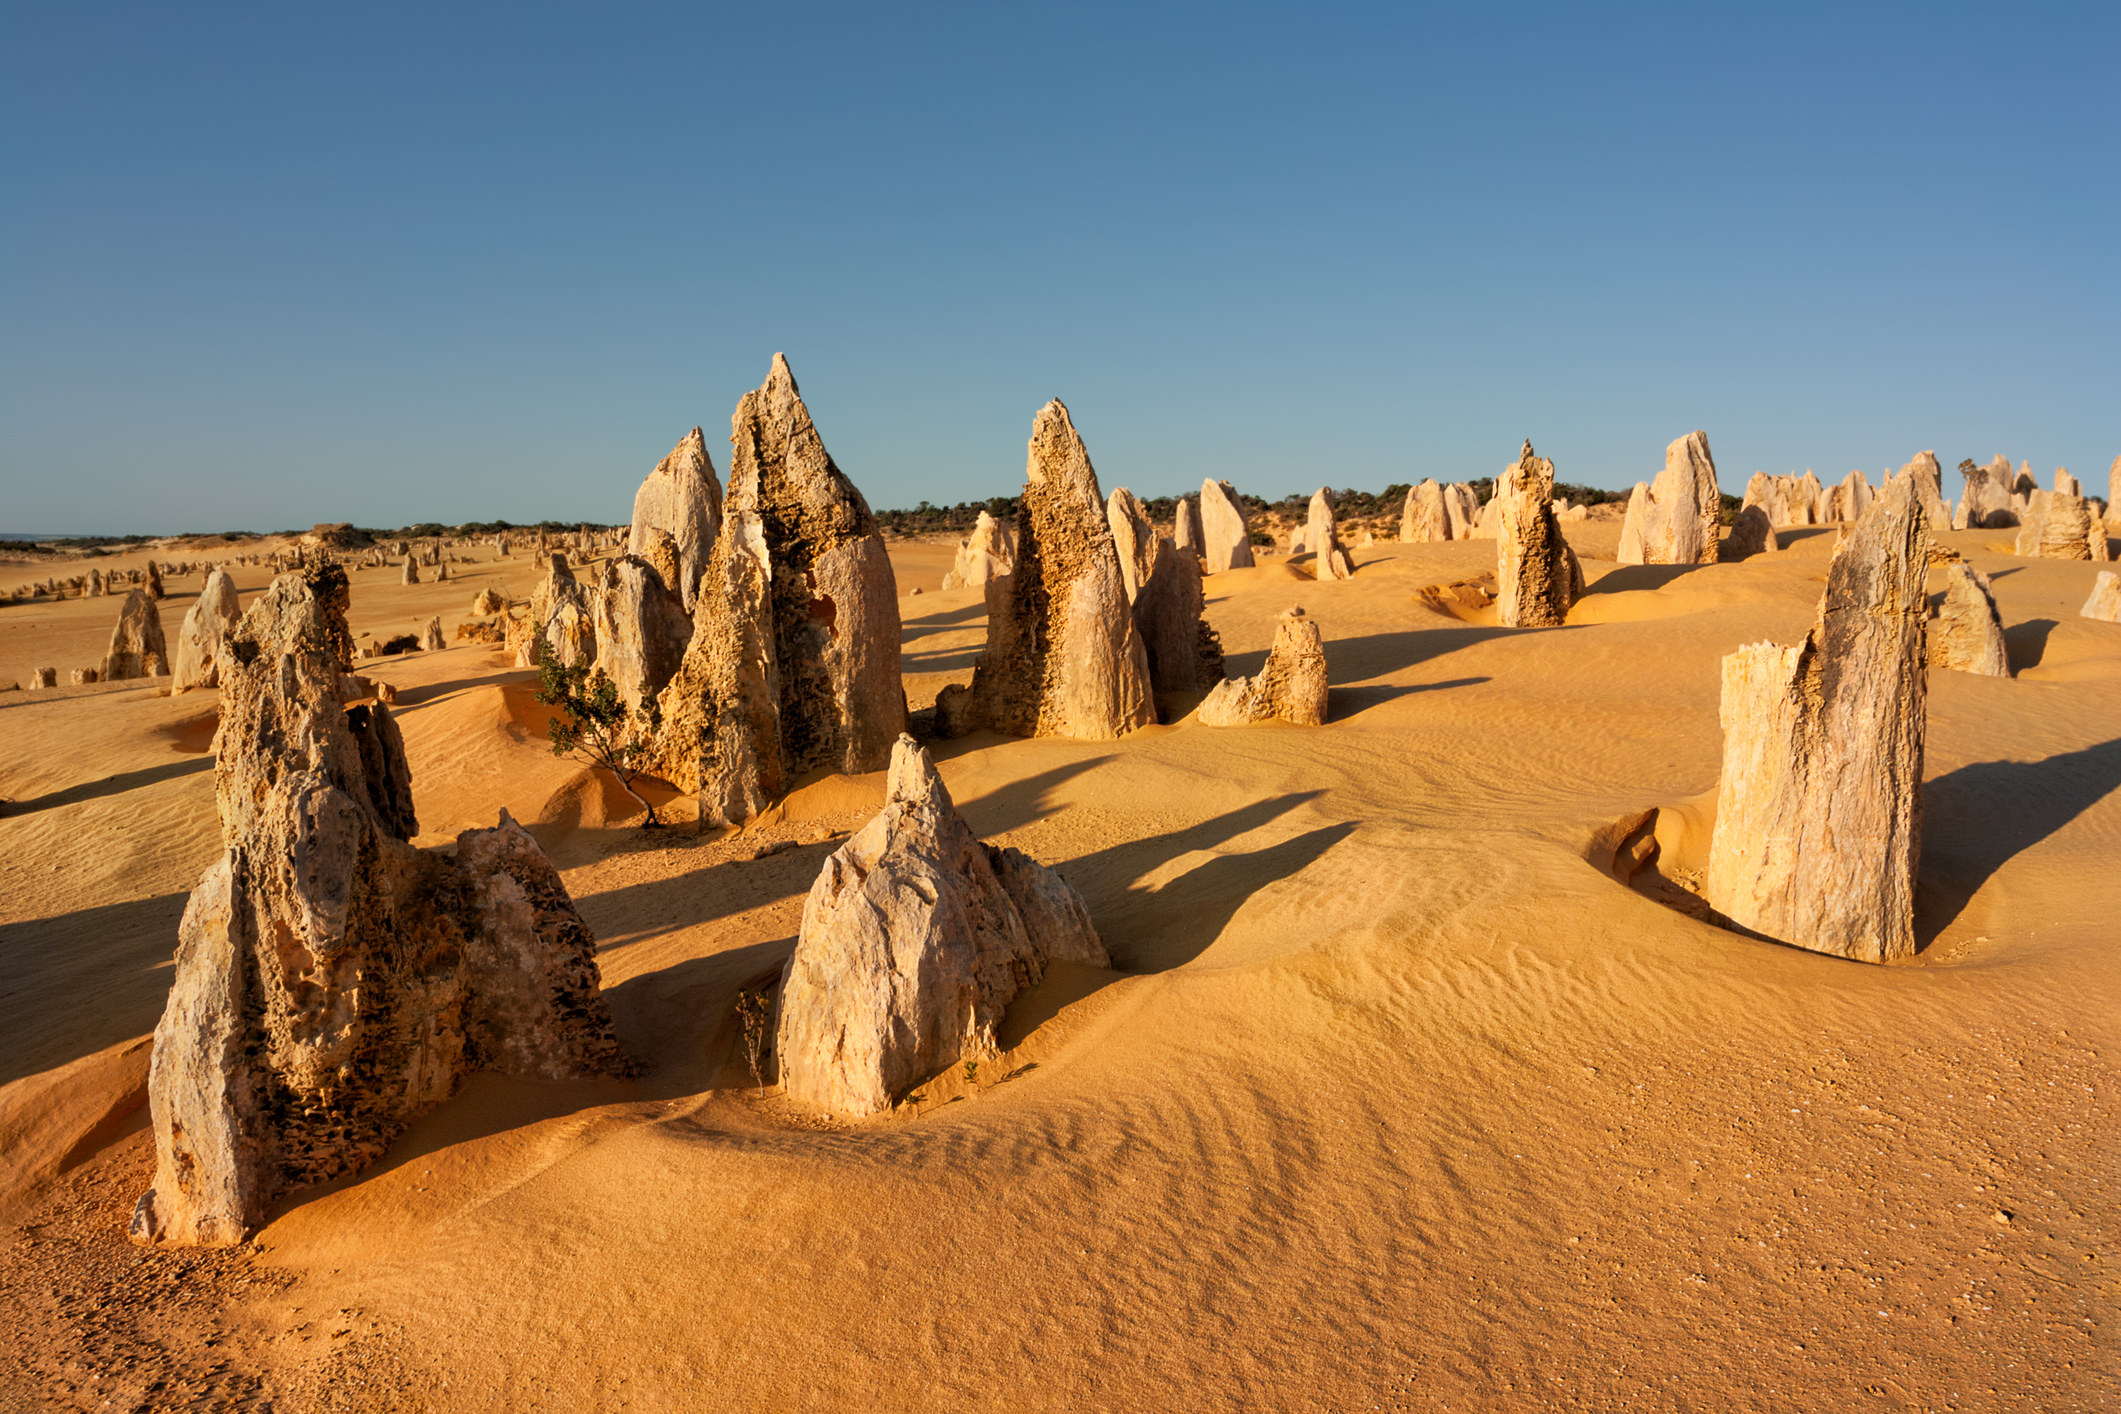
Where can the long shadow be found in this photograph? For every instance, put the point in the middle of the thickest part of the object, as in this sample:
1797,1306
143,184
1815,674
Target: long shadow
76,982
1020,802
110,785
1345,702
1977,818
1170,926
1789,535
941,660
1634,577
2026,644
943,618
1374,655
410,697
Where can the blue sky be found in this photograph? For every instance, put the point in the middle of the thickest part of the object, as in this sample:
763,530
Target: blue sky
266,266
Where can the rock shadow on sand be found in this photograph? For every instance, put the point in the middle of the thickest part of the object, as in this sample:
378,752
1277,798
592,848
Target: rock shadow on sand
118,784
1978,818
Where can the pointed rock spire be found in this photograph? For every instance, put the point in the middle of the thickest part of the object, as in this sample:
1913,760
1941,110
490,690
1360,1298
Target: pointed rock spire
1537,574
682,499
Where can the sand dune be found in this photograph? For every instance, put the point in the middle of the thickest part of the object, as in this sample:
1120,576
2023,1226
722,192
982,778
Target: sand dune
1394,1098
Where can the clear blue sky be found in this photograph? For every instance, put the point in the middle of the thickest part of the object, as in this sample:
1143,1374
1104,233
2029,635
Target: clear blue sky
263,267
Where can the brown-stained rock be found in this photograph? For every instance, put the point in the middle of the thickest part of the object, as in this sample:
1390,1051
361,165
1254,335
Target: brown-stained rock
641,629
1184,653
332,982
1818,818
562,616
82,677
1965,631
793,664
1062,655
984,555
1289,687
1329,554
1133,537
2103,605
411,573
1226,536
680,499
153,585
1537,575
915,939
1986,502
1752,533
43,677
204,633
1426,518
135,640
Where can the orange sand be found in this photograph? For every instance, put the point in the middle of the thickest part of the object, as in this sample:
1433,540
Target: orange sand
1396,1100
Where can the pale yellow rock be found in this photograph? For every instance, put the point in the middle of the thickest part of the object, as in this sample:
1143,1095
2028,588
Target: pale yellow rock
1426,518
136,644
2059,526
1680,522
1226,536
204,634
1752,533
1133,537
642,630
1818,818
986,554
681,499
1329,554
915,938
1290,687
1966,632
1630,551
2104,603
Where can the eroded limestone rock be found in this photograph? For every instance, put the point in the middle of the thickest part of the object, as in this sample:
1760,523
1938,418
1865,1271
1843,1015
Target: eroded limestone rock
488,602
915,939
1289,687
1537,575
641,629
2104,603
2057,526
1062,656
204,633
1632,525
136,644
1329,554
1986,502
1186,531
793,664
1184,653
1133,537
681,499
1226,536
1818,819
1680,522
411,572
1426,518
985,555
1752,533
1966,632
332,982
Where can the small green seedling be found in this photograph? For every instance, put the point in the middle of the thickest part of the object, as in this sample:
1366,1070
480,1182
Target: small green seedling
972,1072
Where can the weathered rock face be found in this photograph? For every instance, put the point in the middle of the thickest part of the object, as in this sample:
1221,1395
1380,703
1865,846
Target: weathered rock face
1632,525
431,639
1463,507
2060,527
43,677
1329,555
2104,603
1928,476
563,617
1226,537
1752,533
682,499
97,585
153,585
1183,651
1818,821
1966,632
1537,574
332,982
1986,502
2065,484
1062,656
1426,518
1852,497
411,573
641,629
136,642
1680,525
1186,531
488,602
915,939
2113,493
984,555
794,658
1289,687
204,633
1133,537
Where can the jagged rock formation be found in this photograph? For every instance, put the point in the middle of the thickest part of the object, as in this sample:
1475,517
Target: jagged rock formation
984,555
1928,476
915,939
333,983
1426,517
641,629
1632,525
1965,631
411,573
1852,497
681,499
488,602
1680,520
1226,536
1752,533
1329,555
793,664
97,585
1986,502
1537,574
204,633
1818,821
1184,653
2104,603
1134,537
153,584
136,646
431,639
43,677
1186,530
2059,526
562,616
1062,656
1462,508
1290,686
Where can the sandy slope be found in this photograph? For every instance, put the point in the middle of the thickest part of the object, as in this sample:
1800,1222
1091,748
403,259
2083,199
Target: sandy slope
1395,1100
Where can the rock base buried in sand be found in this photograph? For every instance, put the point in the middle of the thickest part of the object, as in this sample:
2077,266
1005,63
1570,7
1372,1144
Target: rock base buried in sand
1289,687
1818,816
136,646
1537,575
1966,633
332,982
2103,605
915,939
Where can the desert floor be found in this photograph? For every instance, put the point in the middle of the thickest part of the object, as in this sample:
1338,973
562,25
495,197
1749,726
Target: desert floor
1395,1099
